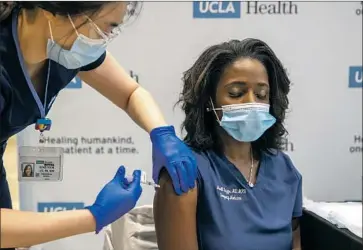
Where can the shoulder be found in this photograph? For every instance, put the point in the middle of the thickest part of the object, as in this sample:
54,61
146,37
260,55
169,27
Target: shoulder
204,160
166,190
94,64
209,166
167,201
5,36
283,162
5,28
5,49
65,75
4,80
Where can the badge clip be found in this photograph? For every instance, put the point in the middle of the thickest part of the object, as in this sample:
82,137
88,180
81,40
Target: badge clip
43,124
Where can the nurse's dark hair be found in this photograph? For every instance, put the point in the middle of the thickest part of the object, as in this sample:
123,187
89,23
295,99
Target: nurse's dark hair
200,84
63,8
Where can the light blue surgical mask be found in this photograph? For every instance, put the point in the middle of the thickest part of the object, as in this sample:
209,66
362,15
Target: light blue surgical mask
83,52
245,122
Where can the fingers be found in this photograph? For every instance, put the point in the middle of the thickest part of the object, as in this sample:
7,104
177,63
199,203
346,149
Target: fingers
129,179
183,176
135,185
191,173
193,168
172,170
120,174
125,183
136,180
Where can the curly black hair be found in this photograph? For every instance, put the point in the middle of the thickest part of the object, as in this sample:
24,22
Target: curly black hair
200,84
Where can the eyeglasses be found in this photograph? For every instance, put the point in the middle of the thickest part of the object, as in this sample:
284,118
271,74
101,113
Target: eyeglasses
96,33
132,11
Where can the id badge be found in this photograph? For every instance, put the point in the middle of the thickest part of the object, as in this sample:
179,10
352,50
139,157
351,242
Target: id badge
40,164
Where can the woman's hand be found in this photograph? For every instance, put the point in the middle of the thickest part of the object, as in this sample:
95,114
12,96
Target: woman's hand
116,198
170,152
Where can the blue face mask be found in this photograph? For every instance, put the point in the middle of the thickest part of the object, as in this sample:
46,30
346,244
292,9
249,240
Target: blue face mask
246,122
83,52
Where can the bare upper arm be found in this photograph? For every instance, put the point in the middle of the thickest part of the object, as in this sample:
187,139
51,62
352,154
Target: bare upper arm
111,80
175,217
296,238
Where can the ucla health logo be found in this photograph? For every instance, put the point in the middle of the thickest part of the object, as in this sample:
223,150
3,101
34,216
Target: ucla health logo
233,9
355,77
59,206
76,83
216,9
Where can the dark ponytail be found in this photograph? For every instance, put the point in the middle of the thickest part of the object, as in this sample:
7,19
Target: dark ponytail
5,9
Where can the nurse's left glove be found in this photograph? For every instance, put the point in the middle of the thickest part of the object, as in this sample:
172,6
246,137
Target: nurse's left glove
116,198
170,152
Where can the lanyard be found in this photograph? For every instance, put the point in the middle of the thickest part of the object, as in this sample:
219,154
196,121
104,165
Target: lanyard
46,91
44,124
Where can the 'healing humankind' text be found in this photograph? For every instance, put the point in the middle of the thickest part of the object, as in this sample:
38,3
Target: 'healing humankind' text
89,140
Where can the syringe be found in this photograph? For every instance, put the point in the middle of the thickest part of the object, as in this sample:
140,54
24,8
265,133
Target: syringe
146,182
143,180
150,183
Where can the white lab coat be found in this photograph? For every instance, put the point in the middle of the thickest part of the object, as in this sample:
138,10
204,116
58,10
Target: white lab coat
133,231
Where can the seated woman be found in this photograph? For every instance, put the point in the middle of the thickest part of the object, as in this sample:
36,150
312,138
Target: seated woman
248,194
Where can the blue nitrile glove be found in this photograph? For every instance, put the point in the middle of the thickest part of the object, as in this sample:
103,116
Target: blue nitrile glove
116,198
170,152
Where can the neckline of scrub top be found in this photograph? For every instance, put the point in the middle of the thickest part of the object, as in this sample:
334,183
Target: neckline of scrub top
237,172
25,72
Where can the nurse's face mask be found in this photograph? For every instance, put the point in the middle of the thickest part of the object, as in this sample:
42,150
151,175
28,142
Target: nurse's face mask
245,122
84,50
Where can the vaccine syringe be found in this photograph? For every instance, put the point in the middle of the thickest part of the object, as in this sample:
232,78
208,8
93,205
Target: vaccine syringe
150,183
143,180
146,182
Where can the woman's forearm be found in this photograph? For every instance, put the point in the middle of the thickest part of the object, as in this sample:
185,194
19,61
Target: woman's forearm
144,111
22,229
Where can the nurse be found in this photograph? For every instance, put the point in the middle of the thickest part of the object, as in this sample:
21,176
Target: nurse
248,193
43,46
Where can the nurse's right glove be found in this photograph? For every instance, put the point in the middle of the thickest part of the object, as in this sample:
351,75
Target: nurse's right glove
116,198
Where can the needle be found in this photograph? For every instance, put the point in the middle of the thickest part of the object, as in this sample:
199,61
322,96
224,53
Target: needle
150,183
144,180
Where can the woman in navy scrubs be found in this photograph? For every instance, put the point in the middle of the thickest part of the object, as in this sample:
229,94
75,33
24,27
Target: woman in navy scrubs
43,46
248,194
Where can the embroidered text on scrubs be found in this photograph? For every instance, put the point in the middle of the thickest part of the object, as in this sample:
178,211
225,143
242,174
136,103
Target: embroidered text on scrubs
231,194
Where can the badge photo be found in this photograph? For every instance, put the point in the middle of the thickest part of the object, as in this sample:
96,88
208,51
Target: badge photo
40,164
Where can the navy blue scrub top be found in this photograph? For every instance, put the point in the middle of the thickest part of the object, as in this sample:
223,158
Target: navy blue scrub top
20,105
232,215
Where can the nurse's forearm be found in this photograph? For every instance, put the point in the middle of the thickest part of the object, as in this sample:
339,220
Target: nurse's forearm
144,111
22,229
